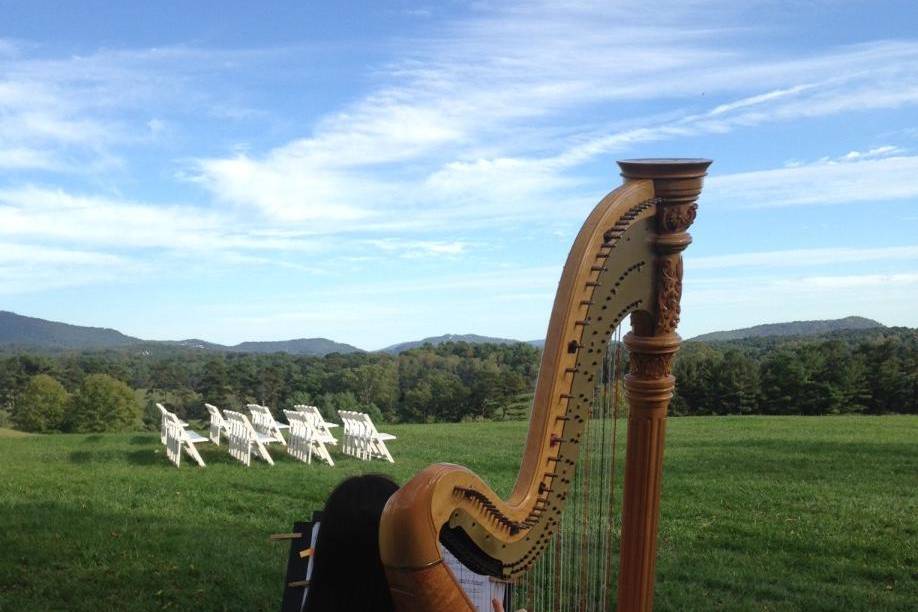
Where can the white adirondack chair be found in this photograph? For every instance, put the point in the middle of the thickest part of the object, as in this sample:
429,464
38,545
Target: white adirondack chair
218,424
350,442
178,439
357,435
164,422
324,427
375,440
361,438
305,439
243,439
264,423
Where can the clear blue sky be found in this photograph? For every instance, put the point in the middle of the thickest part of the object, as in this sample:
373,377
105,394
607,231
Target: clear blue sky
378,172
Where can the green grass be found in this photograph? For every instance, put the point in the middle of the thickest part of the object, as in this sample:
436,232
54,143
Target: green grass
758,514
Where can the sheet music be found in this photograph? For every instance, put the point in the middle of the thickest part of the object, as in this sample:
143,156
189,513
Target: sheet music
480,589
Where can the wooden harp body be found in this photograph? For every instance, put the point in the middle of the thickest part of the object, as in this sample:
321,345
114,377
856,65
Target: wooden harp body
626,260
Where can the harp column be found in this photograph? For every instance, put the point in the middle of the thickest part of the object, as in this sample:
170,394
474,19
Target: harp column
652,344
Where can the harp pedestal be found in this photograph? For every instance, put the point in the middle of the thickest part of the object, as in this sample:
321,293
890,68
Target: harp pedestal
649,388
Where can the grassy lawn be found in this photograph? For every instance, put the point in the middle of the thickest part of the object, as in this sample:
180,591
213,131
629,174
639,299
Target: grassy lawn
758,514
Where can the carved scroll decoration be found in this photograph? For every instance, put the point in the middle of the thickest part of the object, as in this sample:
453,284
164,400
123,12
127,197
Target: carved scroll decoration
669,279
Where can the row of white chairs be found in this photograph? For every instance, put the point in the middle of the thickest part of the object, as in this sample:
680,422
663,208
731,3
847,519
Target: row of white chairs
308,435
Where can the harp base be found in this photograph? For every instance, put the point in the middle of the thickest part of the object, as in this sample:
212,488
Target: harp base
428,588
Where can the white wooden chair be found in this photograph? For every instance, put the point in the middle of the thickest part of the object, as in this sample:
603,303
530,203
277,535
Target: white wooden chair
305,439
178,439
243,439
323,426
361,438
375,440
218,424
264,423
357,442
350,441
164,422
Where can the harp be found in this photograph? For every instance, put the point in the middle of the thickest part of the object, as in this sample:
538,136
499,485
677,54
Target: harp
626,260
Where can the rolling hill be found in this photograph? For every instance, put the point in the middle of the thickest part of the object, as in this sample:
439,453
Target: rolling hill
18,330
21,332
395,349
794,328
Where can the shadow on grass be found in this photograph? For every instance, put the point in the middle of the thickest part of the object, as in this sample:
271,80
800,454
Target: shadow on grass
114,456
80,457
147,457
93,439
90,562
144,439
217,455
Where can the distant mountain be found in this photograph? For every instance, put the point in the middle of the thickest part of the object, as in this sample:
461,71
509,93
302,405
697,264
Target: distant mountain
395,349
18,330
300,346
21,332
313,347
191,343
795,328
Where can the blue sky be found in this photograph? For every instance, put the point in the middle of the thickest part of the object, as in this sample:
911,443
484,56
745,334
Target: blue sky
377,172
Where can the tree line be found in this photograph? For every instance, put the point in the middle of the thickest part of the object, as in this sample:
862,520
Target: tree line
449,382
867,372
870,372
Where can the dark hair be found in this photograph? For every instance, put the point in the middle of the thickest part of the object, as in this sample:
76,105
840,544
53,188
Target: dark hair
347,574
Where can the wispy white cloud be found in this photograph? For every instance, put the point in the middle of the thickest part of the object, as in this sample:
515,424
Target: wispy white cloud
789,258
39,213
755,288
832,283
852,178
419,248
474,116
28,267
22,157
799,297
75,111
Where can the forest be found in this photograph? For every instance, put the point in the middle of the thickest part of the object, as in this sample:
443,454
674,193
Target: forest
862,372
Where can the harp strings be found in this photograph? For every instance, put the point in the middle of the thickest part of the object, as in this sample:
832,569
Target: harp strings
576,571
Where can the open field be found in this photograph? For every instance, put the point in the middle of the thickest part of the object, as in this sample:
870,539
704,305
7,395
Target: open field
759,513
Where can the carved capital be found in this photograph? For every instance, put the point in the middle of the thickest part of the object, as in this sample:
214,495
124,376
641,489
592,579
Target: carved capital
676,219
651,357
651,366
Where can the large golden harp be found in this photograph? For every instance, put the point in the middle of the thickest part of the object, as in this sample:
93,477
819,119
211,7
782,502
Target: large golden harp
626,260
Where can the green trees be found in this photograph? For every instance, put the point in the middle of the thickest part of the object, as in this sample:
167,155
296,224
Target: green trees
214,385
42,406
870,371
103,403
842,373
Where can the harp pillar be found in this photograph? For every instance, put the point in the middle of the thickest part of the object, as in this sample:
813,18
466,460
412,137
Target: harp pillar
652,344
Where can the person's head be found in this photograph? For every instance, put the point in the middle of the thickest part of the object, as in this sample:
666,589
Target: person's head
347,573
